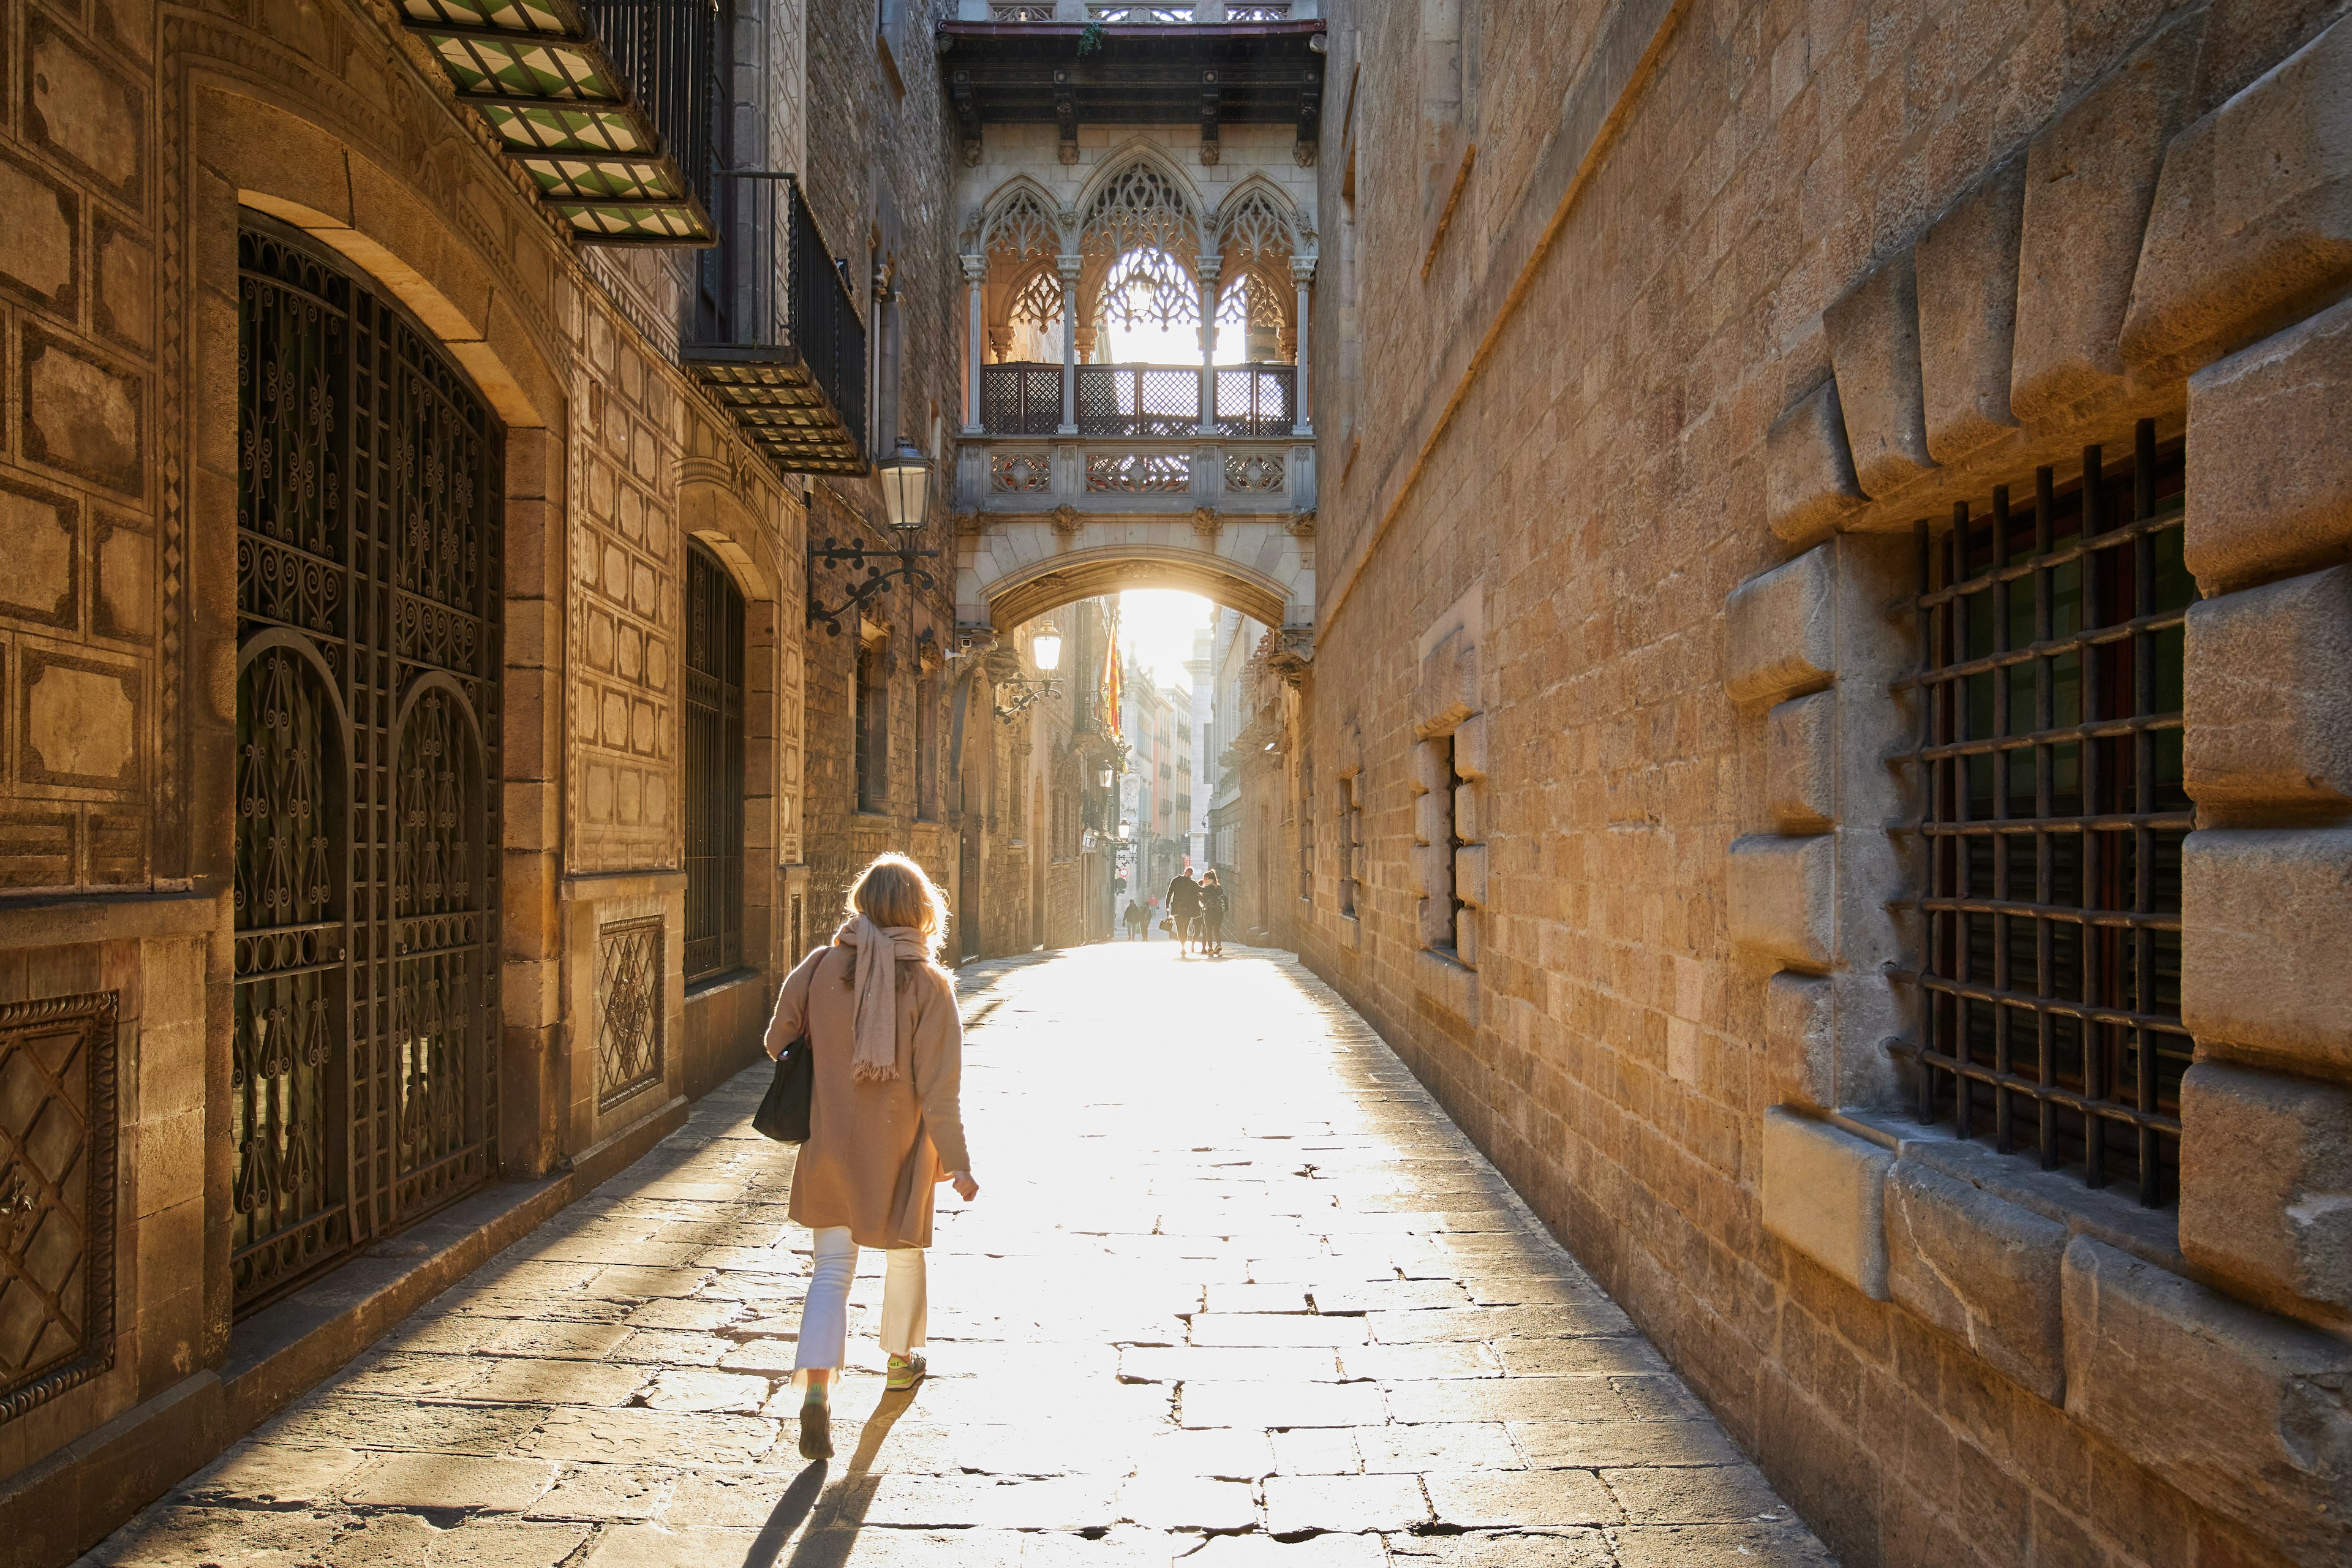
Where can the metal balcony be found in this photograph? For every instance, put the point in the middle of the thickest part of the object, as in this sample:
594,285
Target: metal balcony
777,337
1024,398
607,103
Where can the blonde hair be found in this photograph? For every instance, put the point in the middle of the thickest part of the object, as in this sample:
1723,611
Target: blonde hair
893,891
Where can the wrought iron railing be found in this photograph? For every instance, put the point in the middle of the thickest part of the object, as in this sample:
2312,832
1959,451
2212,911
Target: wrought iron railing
781,340
1139,400
1257,399
1024,398
666,52
1021,398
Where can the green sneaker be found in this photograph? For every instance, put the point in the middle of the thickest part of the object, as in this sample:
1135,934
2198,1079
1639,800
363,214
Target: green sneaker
816,1431
905,1371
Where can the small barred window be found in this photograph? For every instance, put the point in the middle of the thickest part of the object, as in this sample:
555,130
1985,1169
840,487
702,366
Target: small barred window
2050,776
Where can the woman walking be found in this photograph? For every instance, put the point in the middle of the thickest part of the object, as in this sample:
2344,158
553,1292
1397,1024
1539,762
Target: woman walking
885,1123
1213,914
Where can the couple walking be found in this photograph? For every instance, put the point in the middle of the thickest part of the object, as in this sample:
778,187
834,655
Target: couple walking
1198,910
886,1125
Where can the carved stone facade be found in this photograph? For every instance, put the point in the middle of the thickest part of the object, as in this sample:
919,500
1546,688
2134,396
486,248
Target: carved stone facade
137,143
1689,345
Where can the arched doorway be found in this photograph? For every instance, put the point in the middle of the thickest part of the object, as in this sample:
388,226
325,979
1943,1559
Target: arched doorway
366,897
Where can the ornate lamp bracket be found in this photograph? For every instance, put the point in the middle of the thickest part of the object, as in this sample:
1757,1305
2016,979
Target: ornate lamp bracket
882,567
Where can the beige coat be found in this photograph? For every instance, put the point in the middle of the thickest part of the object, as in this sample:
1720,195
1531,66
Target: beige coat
875,1149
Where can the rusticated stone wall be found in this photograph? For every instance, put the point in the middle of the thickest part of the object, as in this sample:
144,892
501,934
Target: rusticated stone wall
1660,327
134,142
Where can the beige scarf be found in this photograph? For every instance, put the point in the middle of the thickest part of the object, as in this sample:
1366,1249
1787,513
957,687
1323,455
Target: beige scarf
879,948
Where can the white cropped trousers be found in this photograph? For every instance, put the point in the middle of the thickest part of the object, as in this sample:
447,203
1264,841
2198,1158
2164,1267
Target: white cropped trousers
824,1316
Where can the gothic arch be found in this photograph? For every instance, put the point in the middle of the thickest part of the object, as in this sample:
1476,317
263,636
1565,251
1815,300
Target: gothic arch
1020,221
1139,201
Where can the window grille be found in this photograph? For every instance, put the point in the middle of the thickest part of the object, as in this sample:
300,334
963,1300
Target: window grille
1020,399
1138,400
1455,844
1256,399
2050,760
1022,12
873,748
1350,836
714,768
1307,828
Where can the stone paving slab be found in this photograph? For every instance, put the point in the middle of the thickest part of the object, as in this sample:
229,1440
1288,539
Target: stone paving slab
1236,1294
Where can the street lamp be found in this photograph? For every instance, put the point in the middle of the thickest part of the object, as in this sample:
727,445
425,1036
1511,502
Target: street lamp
906,475
1045,649
906,485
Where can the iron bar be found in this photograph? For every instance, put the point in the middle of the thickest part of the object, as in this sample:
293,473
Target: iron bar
2048,745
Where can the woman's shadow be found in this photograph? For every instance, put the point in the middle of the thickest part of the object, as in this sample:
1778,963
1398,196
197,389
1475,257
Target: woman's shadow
828,1546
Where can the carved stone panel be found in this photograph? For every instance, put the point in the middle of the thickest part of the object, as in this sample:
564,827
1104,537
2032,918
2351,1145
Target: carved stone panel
629,965
57,1195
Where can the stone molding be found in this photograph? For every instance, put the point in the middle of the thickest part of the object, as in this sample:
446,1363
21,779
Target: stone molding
2252,218
1873,334
1824,1194
2244,1412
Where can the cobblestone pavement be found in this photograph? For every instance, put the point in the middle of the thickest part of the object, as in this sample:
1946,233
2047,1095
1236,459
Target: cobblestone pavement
1234,1292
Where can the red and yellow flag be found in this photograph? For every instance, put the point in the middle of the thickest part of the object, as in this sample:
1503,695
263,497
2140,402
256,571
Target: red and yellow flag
1111,685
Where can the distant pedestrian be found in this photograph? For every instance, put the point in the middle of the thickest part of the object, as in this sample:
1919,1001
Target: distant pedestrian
886,1123
1136,920
1184,907
1212,913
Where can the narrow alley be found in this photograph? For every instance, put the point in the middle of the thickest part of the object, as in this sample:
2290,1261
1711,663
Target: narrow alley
1234,1292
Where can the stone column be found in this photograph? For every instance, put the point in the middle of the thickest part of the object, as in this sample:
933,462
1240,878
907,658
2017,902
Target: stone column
1302,273
1207,269
1068,268
975,274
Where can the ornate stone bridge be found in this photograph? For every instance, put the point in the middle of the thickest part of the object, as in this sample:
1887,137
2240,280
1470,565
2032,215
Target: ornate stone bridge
1233,521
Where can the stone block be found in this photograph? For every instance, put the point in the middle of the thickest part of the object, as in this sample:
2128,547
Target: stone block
1874,332
1800,764
1800,1040
1429,819
1808,481
280,163
2252,219
1983,1271
1470,747
2269,694
2089,178
2269,477
1780,630
2242,1411
2266,1183
1470,875
1966,267
1469,824
2262,957
1779,891
1447,691
1824,1194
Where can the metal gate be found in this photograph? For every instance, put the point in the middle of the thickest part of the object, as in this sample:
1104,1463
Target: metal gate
364,1067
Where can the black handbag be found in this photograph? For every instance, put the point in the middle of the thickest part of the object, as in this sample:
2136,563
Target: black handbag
783,1113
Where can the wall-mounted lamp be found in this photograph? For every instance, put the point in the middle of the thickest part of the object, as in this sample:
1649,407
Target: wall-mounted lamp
1045,649
906,475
